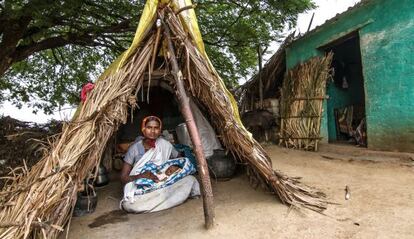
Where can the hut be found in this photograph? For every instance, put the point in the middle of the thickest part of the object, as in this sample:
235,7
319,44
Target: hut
259,97
286,106
38,202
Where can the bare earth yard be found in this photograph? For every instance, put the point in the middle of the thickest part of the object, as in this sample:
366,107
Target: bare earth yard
381,203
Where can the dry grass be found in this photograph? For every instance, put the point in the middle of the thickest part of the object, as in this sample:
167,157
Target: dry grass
38,203
234,136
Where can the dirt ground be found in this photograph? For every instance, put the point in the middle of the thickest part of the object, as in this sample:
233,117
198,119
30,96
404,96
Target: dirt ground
381,203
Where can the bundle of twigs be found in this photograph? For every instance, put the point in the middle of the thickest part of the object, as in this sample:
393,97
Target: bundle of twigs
38,203
201,76
23,143
302,98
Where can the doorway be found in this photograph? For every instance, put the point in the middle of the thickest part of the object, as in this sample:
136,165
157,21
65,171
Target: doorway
162,103
346,104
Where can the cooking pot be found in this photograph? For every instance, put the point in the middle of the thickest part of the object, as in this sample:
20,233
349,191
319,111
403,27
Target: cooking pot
102,178
85,203
221,165
182,134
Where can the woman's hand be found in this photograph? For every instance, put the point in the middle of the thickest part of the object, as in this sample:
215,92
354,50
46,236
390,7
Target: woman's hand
148,175
172,169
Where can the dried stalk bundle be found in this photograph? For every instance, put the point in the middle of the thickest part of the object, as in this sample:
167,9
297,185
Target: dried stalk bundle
302,98
199,77
38,204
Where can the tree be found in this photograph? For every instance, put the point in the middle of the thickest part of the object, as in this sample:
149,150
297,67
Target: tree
49,48
237,28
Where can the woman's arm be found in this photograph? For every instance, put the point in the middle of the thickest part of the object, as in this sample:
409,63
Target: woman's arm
126,170
126,178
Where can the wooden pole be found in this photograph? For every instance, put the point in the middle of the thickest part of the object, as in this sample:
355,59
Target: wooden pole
259,55
183,99
310,23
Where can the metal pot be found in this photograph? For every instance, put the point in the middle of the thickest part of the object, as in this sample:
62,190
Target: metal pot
85,203
102,177
221,166
182,134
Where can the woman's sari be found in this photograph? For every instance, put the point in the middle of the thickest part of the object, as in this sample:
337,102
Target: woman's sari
157,161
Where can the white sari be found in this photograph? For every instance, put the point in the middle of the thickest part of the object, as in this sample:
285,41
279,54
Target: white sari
162,198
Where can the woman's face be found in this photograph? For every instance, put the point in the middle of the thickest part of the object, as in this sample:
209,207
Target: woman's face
152,130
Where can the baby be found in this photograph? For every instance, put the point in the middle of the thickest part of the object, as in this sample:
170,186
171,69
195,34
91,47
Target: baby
158,176
163,175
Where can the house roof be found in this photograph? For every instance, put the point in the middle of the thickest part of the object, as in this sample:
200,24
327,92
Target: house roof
272,75
334,19
252,81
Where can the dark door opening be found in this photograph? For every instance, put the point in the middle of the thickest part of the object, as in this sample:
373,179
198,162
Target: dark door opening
346,104
162,103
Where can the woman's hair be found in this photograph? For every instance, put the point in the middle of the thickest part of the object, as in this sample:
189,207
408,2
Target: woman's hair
150,118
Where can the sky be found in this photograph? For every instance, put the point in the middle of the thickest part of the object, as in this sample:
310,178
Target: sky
326,9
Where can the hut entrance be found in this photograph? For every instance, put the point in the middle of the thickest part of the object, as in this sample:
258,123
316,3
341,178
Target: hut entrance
162,103
159,100
346,104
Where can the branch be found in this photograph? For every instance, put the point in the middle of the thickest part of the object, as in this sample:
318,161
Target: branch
236,43
24,51
13,31
241,14
85,38
54,56
185,8
53,22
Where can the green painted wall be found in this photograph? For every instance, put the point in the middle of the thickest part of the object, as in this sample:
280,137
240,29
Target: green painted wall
386,31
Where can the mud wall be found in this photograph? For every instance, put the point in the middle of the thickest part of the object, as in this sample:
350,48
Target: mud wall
386,31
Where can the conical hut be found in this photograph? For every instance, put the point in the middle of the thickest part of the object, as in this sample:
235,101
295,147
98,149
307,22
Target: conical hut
38,202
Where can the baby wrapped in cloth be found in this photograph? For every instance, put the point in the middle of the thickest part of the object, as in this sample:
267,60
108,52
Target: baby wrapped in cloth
145,195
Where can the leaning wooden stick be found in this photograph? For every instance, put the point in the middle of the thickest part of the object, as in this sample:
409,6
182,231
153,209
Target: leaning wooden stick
195,138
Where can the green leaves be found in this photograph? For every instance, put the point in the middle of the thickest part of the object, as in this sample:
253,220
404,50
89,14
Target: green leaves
236,28
55,76
61,45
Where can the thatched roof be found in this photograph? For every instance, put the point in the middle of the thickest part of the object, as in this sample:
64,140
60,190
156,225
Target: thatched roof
336,18
39,201
274,71
272,76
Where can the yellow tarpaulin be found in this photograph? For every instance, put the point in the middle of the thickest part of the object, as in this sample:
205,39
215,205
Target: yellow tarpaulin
189,21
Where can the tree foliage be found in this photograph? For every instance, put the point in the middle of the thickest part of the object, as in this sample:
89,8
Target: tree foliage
236,28
49,48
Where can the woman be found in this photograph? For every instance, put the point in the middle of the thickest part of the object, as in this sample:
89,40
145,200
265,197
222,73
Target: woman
155,179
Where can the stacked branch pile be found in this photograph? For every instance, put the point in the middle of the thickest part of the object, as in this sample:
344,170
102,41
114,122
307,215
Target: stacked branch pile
22,144
303,93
